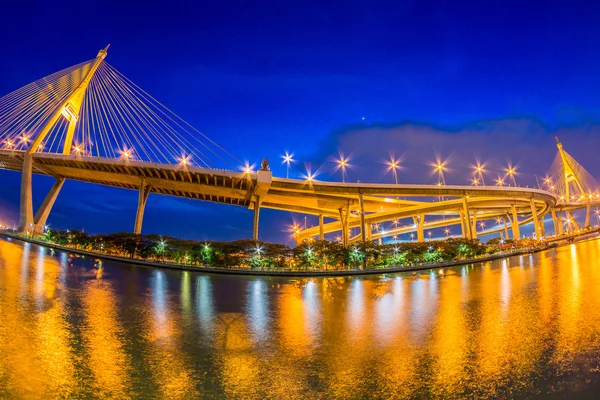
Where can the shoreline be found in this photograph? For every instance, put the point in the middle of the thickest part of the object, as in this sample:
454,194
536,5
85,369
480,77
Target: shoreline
248,272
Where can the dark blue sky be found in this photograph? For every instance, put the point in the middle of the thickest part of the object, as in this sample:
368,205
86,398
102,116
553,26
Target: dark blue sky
263,77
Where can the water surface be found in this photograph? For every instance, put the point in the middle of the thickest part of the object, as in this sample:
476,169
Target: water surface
79,327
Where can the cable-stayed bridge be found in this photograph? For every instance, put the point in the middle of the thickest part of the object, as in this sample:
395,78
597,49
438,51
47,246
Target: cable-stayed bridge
91,123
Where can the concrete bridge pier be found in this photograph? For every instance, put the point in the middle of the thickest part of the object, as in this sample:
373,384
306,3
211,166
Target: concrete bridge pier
474,226
41,216
468,229
505,228
141,207
362,218
321,228
573,220
256,218
420,230
554,221
588,212
463,231
515,223
536,221
26,202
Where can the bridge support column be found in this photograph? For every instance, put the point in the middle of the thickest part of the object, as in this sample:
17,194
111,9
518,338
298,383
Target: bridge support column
41,216
363,227
420,230
515,223
344,222
505,228
256,219
554,221
559,221
588,211
467,219
321,228
370,232
536,221
141,207
474,227
463,231
26,202
573,220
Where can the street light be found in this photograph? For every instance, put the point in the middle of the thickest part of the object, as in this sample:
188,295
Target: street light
480,170
287,159
512,172
342,163
393,165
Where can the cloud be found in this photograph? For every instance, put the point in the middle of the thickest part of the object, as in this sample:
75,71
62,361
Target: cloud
526,142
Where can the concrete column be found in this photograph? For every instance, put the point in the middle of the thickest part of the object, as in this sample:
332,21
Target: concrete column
370,232
321,228
467,221
559,219
256,218
505,228
554,221
347,230
42,214
141,207
362,218
536,221
474,227
588,211
344,229
515,223
463,231
420,230
575,223
543,226
26,202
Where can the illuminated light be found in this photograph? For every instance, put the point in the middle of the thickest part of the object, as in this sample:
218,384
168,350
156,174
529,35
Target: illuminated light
342,163
395,237
184,160
25,139
288,159
499,182
77,149
475,182
394,164
447,231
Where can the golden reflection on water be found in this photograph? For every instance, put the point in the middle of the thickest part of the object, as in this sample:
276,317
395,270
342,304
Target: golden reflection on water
72,327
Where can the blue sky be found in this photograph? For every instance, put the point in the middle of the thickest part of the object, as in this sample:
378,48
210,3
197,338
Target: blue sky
494,80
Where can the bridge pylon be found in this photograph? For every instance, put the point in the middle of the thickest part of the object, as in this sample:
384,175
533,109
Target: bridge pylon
68,109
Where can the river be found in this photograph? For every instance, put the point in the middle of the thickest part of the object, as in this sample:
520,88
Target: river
80,327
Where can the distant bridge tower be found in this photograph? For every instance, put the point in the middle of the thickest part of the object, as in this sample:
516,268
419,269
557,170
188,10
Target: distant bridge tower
68,109
573,184
568,173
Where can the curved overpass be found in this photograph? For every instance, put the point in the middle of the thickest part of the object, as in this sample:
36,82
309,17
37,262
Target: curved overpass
351,205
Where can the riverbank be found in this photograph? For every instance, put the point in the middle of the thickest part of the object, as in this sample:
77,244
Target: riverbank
238,271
